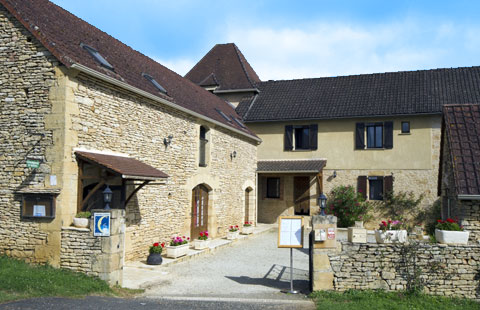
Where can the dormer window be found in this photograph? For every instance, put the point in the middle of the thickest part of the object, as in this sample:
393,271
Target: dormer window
97,56
155,83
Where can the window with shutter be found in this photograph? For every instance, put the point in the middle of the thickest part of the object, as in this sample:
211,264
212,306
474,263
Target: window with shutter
303,137
388,142
288,139
375,185
360,136
362,185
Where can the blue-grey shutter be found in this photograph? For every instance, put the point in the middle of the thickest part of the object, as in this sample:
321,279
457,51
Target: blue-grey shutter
288,141
313,136
360,136
388,127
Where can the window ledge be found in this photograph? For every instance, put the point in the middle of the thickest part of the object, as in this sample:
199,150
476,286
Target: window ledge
404,133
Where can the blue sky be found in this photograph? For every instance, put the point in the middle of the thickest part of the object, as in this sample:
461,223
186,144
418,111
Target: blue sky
296,39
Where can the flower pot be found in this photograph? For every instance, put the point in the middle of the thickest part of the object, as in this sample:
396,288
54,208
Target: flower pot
177,251
154,259
80,222
232,235
247,230
451,237
201,244
391,236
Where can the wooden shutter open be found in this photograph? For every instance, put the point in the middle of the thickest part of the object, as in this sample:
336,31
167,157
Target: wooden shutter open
362,185
288,141
313,136
360,136
388,135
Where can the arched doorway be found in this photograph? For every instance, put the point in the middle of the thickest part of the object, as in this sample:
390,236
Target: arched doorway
199,210
248,192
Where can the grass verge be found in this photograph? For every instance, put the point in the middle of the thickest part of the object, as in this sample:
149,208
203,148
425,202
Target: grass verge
19,280
380,300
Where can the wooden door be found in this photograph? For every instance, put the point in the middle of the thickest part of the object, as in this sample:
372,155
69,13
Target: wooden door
301,195
199,211
247,205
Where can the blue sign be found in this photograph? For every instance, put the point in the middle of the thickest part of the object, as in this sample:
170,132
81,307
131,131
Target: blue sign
101,224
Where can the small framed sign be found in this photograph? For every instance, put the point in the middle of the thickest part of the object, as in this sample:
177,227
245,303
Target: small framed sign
39,210
101,224
290,232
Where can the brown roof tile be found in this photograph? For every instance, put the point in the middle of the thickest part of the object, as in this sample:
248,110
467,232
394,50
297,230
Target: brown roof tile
129,168
62,33
311,166
231,69
462,123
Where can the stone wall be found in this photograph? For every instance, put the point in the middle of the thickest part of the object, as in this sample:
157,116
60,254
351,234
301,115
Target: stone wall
26,75
97,256
449,270
110,119
79,250
470,218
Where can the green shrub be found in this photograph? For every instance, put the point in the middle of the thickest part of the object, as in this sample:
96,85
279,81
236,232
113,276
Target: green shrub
85,215
402,206
448,224
348,206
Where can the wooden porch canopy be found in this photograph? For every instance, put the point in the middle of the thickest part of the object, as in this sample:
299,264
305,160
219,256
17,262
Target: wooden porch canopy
304,166
126,167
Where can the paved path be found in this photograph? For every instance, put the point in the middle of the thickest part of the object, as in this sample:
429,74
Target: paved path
253,270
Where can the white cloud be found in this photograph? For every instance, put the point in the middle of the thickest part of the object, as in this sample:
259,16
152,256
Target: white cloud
333,49
180,66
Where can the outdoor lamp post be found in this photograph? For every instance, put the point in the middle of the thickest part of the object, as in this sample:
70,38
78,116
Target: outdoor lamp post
107,197
322,202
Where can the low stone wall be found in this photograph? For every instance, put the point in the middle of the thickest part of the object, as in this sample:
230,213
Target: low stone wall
470,218
444,269
79,250
96,256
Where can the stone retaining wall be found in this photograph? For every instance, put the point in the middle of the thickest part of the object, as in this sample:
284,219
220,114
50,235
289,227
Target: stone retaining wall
445,270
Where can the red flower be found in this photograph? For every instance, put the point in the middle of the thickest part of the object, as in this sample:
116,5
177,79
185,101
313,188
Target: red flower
236,226
188,238
439,221
384,223
201,234
163,244
389,221
156,244
206,233
450,220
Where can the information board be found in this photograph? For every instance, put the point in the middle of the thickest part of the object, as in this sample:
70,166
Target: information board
101,224
290,232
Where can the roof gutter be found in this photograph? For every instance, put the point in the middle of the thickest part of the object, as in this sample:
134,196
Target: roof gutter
143,93
293,171
236,91
469,197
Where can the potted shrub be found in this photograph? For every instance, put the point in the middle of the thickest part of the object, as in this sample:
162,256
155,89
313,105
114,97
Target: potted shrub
247,228
449,231
81,219
178,247
202,242
233,232
391,232
155,254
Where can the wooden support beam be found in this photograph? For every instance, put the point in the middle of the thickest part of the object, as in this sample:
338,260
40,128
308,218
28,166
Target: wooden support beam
93,191
135,191
320,182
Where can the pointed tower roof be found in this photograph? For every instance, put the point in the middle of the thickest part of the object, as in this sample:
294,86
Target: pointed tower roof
227,67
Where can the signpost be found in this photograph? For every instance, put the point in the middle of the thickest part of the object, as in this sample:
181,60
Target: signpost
33,163
290,235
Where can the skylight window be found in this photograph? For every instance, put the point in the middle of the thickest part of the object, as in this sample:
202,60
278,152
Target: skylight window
155,83
96,55
239,123
223,115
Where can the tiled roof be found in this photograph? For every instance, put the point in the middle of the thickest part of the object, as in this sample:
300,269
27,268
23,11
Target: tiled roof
129,168
382,94
311,165
62,33
231,69
462,123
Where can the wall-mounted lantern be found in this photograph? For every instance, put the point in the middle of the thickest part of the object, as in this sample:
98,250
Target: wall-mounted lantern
107,197
167,140
233,155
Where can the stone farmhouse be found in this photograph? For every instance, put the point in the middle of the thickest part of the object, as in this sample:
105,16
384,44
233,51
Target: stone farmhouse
377,132
460,169
82,112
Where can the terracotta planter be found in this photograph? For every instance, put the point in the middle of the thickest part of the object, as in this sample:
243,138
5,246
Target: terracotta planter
177,251
451,237
391,236
80,222
247,230
154,259
201,244
232,235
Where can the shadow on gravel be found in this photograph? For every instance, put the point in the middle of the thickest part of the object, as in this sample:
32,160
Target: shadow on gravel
278,277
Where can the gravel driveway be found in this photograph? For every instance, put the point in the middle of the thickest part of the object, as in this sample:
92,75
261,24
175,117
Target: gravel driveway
251,269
